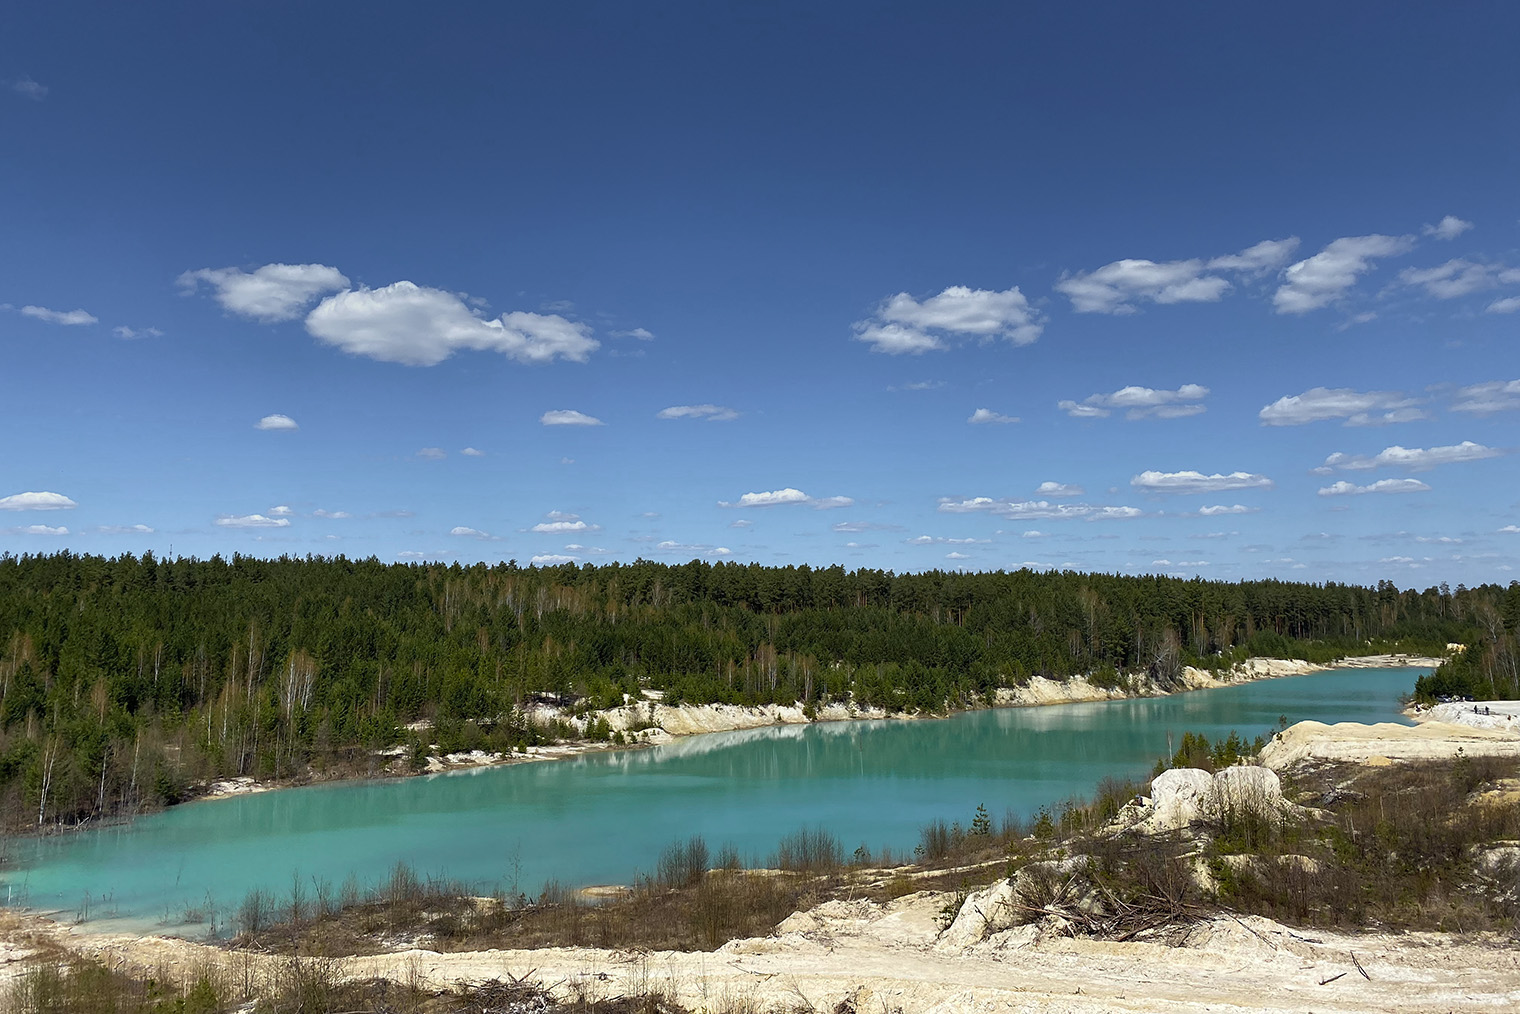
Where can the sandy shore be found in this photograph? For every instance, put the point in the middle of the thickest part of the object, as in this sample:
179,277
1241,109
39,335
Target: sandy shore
888,959
892,958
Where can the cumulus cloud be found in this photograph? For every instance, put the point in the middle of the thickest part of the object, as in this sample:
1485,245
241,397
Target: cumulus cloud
1408,457
1059,490
125,530
904,325
274,292
1037,510
712,413
782,497
746,523
129,333
1511,529
564,527
471,452
418,326
1119,286
569,417
251,521
550,560
642,334
1357,408
1140,403
1190,481
957,556
41,530
38,501
1320,280
1215,510
25,86
1344,488
986,415
331,515
1493,396
281,511
1449,227
1507,305
432,453
1458,277
671,546
276,422
70,318
463,532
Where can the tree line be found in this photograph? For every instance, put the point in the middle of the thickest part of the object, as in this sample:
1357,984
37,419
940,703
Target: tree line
126,680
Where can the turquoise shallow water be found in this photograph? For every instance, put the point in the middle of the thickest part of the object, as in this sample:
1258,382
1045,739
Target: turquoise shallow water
603,818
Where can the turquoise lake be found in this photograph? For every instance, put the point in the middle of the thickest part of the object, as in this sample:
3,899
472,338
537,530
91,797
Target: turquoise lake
604,818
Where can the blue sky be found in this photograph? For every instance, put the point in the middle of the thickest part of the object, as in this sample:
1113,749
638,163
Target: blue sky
1191,289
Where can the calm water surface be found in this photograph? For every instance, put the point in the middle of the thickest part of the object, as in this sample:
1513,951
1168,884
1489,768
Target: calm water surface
605,817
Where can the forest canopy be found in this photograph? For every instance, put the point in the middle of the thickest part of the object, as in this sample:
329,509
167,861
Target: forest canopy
125,680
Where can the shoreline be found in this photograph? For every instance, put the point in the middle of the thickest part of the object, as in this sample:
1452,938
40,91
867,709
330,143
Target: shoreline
897,955
651,722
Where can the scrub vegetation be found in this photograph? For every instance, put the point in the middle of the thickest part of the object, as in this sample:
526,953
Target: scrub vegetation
127,682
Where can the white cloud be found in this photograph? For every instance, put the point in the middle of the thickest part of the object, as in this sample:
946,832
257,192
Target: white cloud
894,339
642,334
1449,227
712,413
1140,403
746,523
550,560
1037,510
24,85
417,326
1196,482
1119,286
1511,529
957,556
39,501
986,415
274,292
41,530
568,417
1357,408
782,497
1344,488
563,527
331,515
1507,305
1035,534
1408,457
1059,490
251,521
919,385
1493,396
902,324
281,511
276,422
432,453
73,318
128,333
125,530
1458,277
940,540
471,533
471,452
670,546
1322,279
1217,509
